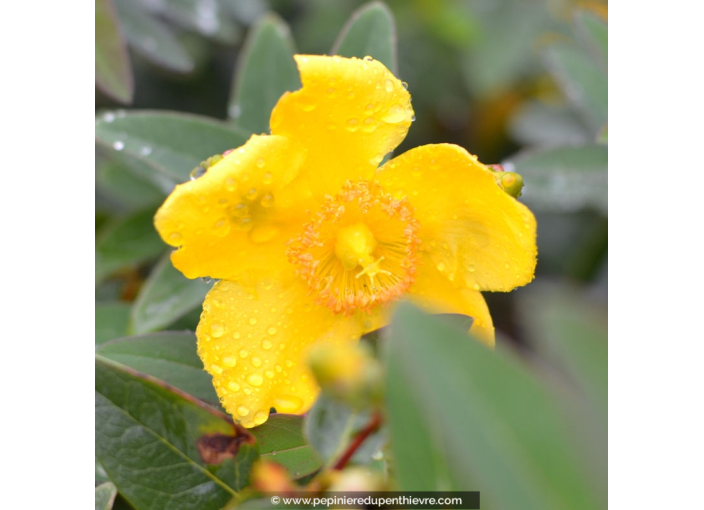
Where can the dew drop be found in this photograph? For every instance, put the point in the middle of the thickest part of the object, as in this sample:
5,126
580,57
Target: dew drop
215,369
256,362
288,404
229,361
471,268
368,58
260,417
441,266
251,194
236,335
246,223
506,266
271,330
288,363
175,237
369,124
389,85
206,279
266,345
243,353
230,184
255,379
118,146
261,163
233,386
252,321
278,368
353,124
269,374
242,411
267,200
476,286
405,85
217,329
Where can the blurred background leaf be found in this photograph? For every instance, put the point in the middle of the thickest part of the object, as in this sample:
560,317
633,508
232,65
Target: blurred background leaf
105,496
112,64
265,71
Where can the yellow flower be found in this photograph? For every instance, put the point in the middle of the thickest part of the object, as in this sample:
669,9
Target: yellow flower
313,243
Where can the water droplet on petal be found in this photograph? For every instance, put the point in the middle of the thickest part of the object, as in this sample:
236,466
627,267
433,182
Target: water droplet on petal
260,417
244,353
215,369
353,124
206,279
271,330
233,386
405,85
368,58
236,335
441,266
252,321
269,374
242,411
256,362
229,361
255,379
217,329
261,163
389,85
230,184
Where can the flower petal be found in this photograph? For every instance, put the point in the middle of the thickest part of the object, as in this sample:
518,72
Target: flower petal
237,218
476,234
435,293
348,115
255,341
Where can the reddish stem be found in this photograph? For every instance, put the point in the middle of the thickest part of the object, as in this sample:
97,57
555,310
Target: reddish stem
371,427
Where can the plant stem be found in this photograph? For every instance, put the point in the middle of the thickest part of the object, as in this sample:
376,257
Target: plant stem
371,427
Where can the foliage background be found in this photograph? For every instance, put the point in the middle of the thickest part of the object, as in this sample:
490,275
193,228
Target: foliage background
517,82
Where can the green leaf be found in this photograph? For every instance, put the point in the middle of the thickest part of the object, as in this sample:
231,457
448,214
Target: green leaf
146,438
570,332
206,18
535,123
487,422
126,242
265,71
281,440
331,425
100,475
581,80
564,179
113,74
105,496
111,320
169,356
166,145
166,296
594,32
124,186
369,31
151,38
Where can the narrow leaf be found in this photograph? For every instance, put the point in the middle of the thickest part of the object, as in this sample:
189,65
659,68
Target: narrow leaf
147,436
594,32
105,496
281,440
167,144
265,71
126,242
204,17
166,296
369,31
582,81
564,179
113,74
490,423
169,356
151,38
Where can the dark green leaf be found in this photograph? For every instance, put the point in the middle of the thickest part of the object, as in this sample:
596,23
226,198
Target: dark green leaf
111,321
146,436
113,74
265,71
564,178
126,242
100,475
151,38
166,296
205,17
488,423
369,31
581,80
594,32
330,426
281,440
170,356
105,496
246,11
166,145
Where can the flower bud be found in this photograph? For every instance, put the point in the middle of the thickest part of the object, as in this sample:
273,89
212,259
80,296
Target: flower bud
347,372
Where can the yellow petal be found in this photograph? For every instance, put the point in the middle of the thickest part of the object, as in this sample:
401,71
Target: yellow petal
255,341
436,294
349,114
237,218
478,236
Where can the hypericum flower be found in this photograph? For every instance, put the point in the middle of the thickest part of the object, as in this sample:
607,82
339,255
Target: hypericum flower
313,243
